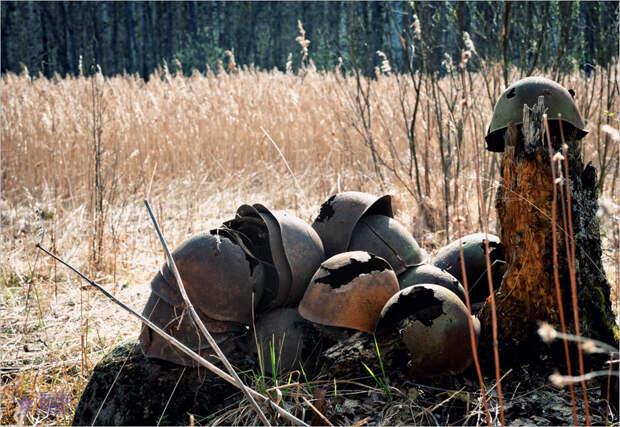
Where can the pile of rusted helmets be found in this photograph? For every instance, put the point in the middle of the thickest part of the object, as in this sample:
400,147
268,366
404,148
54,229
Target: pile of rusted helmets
377,279
354,269
259,261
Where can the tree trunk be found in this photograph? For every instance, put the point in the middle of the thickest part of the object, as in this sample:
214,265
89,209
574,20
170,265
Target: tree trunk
45,54
68,44
528,295
6,22
114,43
170,31
99,15
505,39
146,34
131,38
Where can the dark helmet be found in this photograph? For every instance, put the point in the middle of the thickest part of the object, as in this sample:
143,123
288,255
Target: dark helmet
218,276
284,331
509,108
281,287
434,326
349,291
177,322
388,239
303,250
339,215
429,274
448,258
295,250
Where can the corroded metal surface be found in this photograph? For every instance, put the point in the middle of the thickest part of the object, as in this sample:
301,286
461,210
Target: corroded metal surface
448,258
218,276
341,212
282,330
387,238
434,326
509,108
177,322
427,273
349,291
303,250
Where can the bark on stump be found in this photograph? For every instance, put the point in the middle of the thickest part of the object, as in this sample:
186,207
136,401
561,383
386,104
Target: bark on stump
524,206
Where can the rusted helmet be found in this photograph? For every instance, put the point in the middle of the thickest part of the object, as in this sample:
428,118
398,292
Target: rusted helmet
303,250
278,288
218,276
295,248
251,234
349,291
339,215
170,295
509,108
282,331
177,322
387,238
448,258
429,274
434,326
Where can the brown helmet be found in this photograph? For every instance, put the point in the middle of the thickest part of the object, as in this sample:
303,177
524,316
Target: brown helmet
295,249
303,250
171,296
250,232
509,108
433,323
349,290
281,288
449,258
429,274
341,212
284,331
387,238
177,322
218,276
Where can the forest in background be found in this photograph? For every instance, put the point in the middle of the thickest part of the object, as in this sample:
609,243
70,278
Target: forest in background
138,37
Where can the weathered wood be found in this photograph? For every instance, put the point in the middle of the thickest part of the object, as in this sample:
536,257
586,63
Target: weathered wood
527,295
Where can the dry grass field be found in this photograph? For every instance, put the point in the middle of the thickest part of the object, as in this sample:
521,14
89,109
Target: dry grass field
79,155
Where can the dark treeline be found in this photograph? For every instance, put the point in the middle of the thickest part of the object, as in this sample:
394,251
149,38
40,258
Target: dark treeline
137,37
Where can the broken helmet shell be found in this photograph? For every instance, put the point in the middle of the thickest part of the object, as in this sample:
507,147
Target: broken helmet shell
429,274
349,291
448,258
339,215
509,108
303,250
218,276
387,238
296,251
433,324
279,290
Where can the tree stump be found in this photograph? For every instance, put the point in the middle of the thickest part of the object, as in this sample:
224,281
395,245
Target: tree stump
524,202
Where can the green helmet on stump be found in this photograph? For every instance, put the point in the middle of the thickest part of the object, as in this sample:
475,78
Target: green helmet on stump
509,108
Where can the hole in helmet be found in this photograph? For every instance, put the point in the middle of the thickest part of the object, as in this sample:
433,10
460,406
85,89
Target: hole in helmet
572,92
512,93
418,304
327,210
346,273
496,251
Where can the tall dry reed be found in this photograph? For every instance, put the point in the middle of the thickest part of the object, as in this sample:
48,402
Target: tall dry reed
198,147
